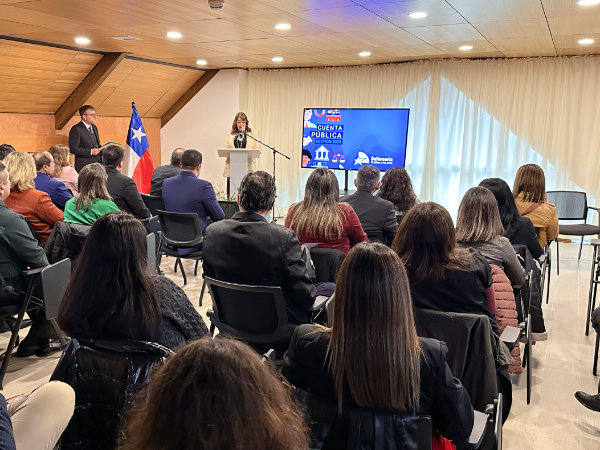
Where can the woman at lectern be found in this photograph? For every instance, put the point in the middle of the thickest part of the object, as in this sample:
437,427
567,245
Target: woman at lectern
236,138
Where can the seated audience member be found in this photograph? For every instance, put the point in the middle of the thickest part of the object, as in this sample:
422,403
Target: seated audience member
36,420
63,170
161,173
36,206
186,193
5,150
517,229
321,219
443,277
111,296
373,212
121,188
529,192
92,199
247,249
371,356
397,188
214,394
44,164
479,226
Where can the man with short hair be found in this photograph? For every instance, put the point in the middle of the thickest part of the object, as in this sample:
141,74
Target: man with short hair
186,193
374,213
44,164
121,188
161,173
84,140
247,249
5,149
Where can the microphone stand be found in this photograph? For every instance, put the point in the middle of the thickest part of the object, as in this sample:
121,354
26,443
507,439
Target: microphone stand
275,151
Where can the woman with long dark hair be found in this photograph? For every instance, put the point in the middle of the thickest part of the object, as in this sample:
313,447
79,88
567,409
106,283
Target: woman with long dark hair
517,229
215,394
320,218
111,295
371,357
396,187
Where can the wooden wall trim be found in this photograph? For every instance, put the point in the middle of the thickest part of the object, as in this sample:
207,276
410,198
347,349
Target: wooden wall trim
185,98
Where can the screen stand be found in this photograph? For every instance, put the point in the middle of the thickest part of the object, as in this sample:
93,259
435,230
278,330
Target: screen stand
346,191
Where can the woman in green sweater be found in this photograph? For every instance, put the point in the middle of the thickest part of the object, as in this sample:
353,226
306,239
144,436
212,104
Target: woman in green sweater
92,200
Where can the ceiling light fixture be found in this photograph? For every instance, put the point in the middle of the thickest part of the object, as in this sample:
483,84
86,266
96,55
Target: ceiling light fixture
277,59
237,61
588,2
287,26
585,41
465,47
417,15
174,34
82,40
364,54
201,62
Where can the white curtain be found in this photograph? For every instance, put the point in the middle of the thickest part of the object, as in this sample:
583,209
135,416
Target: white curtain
469,120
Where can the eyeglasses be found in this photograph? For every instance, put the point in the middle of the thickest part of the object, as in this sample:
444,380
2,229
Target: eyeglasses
93,115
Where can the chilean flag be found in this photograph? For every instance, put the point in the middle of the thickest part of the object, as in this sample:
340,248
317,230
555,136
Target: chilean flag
137,162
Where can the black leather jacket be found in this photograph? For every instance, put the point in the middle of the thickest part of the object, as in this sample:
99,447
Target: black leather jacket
66,241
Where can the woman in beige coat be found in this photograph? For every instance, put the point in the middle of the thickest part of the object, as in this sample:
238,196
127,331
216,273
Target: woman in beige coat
530,197
240,121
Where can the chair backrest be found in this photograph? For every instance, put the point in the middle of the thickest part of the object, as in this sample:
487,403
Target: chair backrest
376,235
229,208
55,279
66,241
570,205
151,244
33,233
256,314
153,203
327,262
105,375
180,229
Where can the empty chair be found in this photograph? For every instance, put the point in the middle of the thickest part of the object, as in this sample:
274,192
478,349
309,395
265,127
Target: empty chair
154,204
327,262
66,241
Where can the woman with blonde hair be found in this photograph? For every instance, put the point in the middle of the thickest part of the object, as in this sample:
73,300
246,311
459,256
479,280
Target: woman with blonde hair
63,170
529,191
321,219
93,199
36,206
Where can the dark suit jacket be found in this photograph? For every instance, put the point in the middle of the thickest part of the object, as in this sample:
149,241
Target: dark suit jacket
125,194
81,143
374,213
160,174
247,249
55,189
185,193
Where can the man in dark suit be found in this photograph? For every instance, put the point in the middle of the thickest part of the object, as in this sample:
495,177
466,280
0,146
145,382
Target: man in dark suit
161,173
374,213
44,163
121,188
186,193
84,140
247,249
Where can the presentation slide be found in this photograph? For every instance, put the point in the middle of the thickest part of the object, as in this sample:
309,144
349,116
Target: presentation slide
347,139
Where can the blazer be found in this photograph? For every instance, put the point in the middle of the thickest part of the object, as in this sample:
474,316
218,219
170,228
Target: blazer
247,249
251,144
125,194
18,248
374,213
160,174
36,207
185,193
543,217
81,143
442,396
55,189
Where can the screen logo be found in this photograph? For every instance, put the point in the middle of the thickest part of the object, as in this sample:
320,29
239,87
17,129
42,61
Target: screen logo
362,159
333,115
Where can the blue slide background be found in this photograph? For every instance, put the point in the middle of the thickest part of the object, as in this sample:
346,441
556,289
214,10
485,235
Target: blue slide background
375,132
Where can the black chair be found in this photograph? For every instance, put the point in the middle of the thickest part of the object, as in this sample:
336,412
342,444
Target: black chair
327,263
33,233
66,241
229,208
376,236
257,315
152,267
546,266
154,204
525,328
594,281
572,205
596,326
180,231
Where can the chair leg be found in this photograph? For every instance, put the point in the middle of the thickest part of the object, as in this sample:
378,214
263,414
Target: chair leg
549,269
60,334
557,258
182,272
580,247
196,268
592,288
202,292
594,370
175,266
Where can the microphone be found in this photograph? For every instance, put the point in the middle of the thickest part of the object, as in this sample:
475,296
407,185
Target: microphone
240,135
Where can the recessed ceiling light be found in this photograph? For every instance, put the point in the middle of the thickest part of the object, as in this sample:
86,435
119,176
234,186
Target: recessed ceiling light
174,34
201,62
419,15
277,59
287,26
82,40
364,54
588,2
237,61
465,47
585,41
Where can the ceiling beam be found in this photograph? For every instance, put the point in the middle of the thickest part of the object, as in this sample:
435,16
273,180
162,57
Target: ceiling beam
185,98
86,88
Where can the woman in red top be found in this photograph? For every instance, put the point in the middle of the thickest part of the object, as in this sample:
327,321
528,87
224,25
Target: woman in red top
321,219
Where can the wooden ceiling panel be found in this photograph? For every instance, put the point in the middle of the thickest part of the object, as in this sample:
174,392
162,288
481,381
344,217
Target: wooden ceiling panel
562,42
447,33
478,47
308,5
343,20
390,37
495,10
267,22
101,94
561,8
439,13
509,29
521,44
15,13
574,25
163,105
256,46
7,27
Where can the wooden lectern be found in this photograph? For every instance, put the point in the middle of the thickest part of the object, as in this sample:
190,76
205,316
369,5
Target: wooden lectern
238,164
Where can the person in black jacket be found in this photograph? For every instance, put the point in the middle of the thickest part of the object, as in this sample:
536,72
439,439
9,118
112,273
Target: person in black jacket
372,357
373,212
121,188
161,173
247,249
84,140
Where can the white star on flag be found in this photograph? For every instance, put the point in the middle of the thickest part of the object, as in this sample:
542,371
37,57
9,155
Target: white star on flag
137,134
